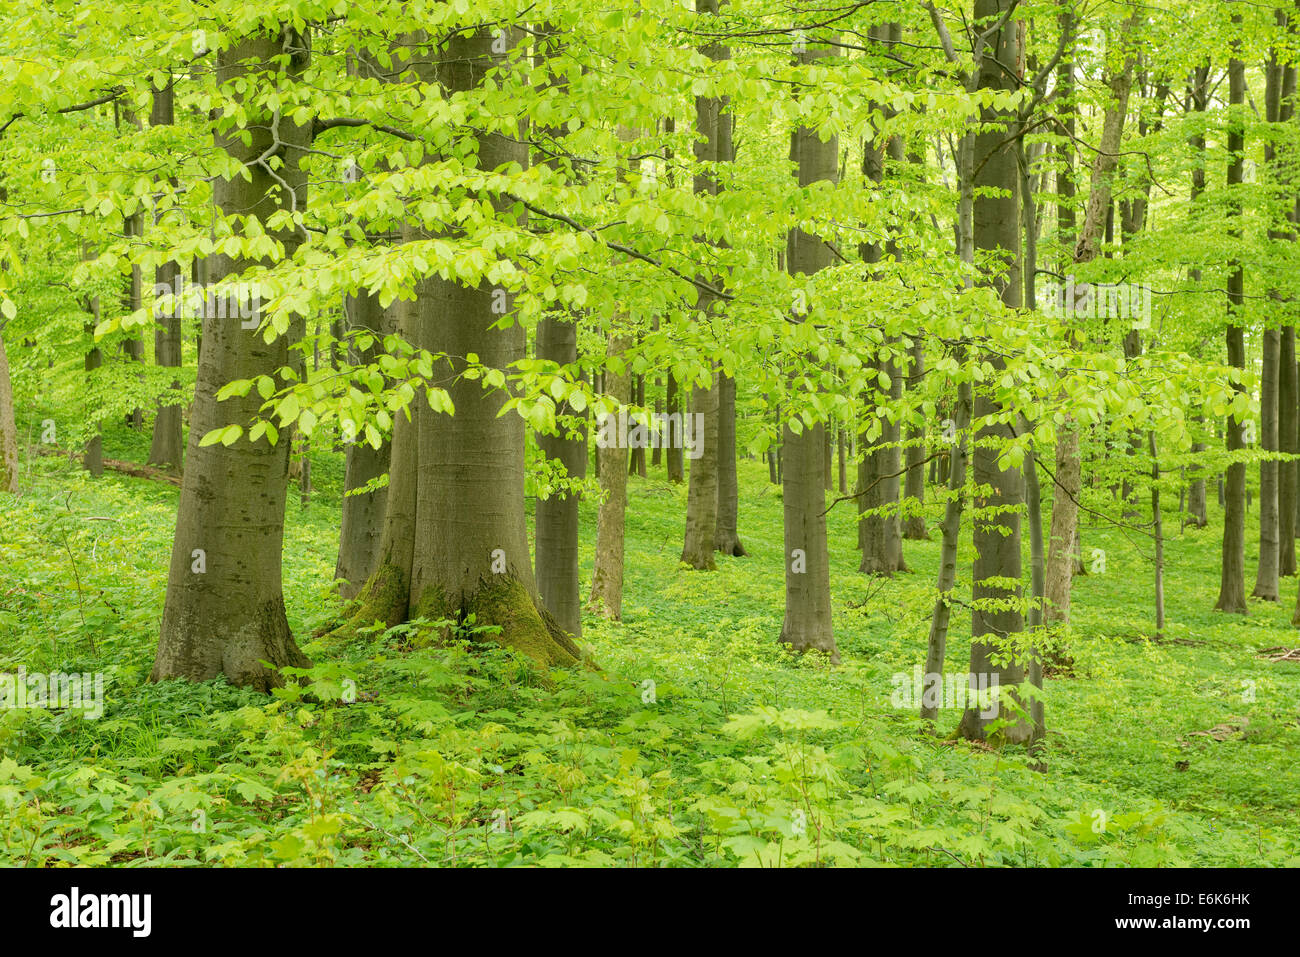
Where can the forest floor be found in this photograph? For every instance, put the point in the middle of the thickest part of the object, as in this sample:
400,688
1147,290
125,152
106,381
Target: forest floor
698,742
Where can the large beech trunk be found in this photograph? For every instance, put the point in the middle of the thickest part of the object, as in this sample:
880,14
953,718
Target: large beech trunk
471,552
224,613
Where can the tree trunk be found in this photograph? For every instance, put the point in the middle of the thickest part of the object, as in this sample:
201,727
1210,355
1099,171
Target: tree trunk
880,534
224,612
841,458
1280,109
657,452
362,524
996,614
937,643
807,624
166,449
1232,581
1069,467
92,456
1037,563
132,298
636,464
8,428
386,595
1157,522
607,579
556,519
1287,443
673,455
712,146
727,538
1198,95
1266,578
471,554
914,485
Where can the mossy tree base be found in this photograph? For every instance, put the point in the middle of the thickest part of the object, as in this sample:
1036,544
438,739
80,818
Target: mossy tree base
504,602
383,598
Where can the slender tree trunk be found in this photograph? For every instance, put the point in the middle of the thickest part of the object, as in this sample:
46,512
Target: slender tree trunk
727,538
8,428
92,456
807,622
880,533
828,458
362,525
224,612
937,643
996,613
386,595
712,146
1287,443
132,293
1266,578
954,464
1279,87
1280,109
657,453
673,453
1069,466
636,463
842,461
1037,564
607,579
556,520
914,485
166,449
1198,95
556,516
1158,528
1232,582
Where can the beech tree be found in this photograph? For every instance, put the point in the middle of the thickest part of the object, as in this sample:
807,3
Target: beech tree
224,613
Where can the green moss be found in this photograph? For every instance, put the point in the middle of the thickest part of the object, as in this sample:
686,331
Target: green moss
504,602
383,598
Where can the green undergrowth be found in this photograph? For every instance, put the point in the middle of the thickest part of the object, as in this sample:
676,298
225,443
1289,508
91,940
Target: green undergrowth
698,742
